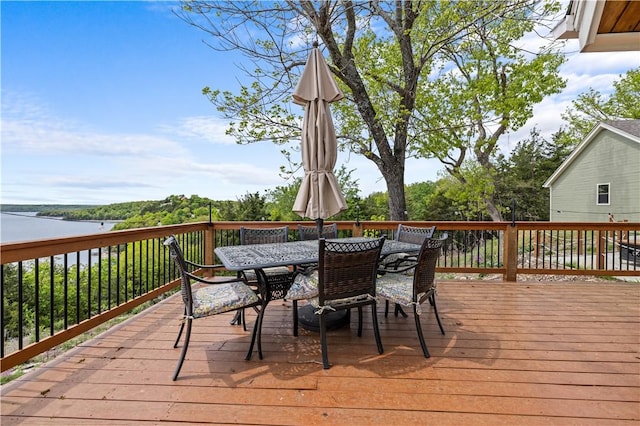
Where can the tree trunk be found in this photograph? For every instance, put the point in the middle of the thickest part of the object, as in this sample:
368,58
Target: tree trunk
395,189
493,210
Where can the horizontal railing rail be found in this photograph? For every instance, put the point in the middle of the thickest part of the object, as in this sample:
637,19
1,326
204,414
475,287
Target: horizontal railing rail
56,289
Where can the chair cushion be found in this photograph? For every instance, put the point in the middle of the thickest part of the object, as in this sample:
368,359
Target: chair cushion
250,274
305,286
218,298
397,288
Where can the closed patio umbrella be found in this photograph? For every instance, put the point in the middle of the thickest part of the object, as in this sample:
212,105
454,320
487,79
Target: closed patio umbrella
319,196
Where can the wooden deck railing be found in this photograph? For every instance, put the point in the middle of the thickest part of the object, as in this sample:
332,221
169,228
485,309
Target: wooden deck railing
54,290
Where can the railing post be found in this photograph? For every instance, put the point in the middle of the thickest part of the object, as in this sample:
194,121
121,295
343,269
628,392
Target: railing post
209,246
511,252
357,230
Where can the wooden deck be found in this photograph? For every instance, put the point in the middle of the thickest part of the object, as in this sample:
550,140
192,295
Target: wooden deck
516,354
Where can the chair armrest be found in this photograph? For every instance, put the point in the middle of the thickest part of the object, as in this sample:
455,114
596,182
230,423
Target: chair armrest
397,270
397,263
199,265
217,281
305,269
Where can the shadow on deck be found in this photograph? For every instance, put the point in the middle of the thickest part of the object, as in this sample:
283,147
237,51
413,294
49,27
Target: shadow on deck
525,353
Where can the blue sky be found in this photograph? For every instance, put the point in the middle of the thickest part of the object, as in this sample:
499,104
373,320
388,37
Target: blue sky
102,103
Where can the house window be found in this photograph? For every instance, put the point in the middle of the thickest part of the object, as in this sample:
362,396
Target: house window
603,194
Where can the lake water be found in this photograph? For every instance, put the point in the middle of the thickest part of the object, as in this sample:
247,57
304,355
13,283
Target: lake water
22,226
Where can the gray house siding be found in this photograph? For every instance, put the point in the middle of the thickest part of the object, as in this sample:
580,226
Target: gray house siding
609,158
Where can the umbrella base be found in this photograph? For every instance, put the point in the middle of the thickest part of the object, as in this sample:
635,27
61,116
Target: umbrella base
310,321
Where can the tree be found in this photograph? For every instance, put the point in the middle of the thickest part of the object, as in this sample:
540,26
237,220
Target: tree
418,196
592,107
382,54
251,206
523,173
489,89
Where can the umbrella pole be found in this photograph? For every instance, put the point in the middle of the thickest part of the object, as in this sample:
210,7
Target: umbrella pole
319,224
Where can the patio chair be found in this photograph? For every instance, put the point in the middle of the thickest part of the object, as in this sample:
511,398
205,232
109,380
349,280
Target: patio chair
408,234
310,277
311,232
405,234
347,279
215,298
279,278
413,290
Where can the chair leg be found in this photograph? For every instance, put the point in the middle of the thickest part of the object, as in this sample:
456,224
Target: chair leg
175,344
432,300
256,335
185,346
323,342
376,329
398,310
295,318
359,321
425,351
386,308
237,319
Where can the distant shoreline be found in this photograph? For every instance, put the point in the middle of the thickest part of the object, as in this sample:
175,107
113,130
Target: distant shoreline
35,216
26,226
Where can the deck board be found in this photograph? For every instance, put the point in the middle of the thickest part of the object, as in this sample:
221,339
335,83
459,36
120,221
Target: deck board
525,353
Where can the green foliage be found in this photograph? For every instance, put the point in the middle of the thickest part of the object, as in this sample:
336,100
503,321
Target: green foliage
374,206
522,175
418,195
119,211
251,206
280,201
138,214
592,107
469,194
484,87
46,209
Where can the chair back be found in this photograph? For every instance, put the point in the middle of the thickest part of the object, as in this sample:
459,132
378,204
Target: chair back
264,235
185,282
311,232
413,234
347,269
425,271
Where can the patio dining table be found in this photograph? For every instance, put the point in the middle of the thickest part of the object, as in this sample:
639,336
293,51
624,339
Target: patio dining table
291,254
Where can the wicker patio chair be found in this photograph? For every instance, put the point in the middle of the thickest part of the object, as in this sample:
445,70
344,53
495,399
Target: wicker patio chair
405,234
347,279
308,233
311,232
279,278
413,290
216,297
408,234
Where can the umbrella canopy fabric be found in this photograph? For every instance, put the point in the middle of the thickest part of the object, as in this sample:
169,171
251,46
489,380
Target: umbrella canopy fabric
319,196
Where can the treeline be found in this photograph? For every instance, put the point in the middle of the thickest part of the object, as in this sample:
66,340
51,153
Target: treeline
45,209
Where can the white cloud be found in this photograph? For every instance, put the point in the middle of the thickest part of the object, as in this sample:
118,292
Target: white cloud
205,128
28,127
48,159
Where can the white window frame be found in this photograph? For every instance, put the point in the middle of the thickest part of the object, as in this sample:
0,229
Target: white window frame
608,185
